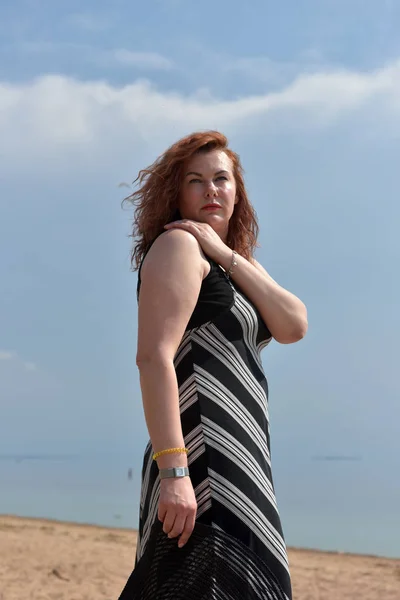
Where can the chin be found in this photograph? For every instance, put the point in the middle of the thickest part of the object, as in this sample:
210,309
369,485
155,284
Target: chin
211,217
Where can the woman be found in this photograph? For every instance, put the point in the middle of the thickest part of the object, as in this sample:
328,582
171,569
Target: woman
209,525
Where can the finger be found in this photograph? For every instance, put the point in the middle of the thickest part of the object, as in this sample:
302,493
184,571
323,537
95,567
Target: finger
161,513
169,522
187,531
189,227
178,527
185,222
181,224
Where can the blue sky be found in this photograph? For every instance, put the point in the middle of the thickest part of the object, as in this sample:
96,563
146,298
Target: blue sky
308,93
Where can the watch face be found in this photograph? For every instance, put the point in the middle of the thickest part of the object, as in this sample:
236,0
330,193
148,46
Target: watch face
180,471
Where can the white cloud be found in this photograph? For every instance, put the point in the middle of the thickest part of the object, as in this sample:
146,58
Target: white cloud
30,366
143,60
90,22
6,355
340,91
48,47
259,68
92,54
312,55
56,116
13,356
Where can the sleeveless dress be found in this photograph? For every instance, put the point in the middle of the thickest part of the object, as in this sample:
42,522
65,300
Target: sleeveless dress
237,549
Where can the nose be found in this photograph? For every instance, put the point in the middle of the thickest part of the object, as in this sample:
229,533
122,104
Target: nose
211,190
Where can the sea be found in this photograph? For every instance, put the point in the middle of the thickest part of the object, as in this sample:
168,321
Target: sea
329,503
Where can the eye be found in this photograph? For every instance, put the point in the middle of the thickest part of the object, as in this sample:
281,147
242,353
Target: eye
194,180
222,177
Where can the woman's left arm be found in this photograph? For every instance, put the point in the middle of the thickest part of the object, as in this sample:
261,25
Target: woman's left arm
284,314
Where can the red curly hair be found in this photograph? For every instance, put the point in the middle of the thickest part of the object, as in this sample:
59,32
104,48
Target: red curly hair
156,200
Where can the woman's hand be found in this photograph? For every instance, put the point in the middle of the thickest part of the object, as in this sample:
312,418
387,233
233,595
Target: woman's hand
209,240
177,508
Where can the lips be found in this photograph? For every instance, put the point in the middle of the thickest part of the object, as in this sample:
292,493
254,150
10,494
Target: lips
212,206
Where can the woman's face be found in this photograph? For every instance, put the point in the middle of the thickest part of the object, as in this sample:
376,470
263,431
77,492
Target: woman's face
208,190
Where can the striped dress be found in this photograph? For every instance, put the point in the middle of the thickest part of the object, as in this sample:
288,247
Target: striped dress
237,550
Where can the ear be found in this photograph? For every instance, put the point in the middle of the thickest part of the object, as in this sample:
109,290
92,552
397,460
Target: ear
236,200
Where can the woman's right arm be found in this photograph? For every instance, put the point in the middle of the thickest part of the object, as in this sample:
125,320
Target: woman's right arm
171,278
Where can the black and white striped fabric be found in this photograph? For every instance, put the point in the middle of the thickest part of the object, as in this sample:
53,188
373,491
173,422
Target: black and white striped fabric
223,396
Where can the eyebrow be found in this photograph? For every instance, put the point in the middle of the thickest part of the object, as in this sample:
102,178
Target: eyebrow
200,175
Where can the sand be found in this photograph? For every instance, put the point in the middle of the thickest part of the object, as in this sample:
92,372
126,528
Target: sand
49,560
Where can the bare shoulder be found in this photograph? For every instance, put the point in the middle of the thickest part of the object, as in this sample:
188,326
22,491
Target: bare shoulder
175,239
175,249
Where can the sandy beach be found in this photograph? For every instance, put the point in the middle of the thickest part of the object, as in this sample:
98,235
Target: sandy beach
49,560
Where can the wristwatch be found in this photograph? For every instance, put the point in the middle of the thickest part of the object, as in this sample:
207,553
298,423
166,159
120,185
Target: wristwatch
174,472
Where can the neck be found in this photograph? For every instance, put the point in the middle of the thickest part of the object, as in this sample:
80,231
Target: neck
222,233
